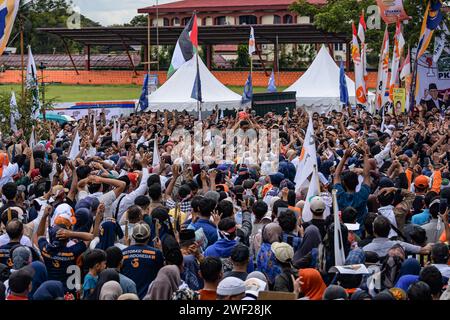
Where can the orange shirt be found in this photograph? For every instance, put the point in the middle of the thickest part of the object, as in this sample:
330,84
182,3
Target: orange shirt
207,294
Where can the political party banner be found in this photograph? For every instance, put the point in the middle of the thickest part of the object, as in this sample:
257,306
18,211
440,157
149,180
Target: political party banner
80,109
153,83
399,100
391,10
432,73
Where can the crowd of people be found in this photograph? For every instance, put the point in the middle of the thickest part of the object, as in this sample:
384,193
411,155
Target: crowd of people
110,224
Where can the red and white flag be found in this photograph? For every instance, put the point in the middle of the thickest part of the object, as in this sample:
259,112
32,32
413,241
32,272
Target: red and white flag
383,71
362,27
399,43
406,76
361,93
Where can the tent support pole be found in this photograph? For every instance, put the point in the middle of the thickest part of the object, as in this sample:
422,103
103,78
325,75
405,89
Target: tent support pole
70,55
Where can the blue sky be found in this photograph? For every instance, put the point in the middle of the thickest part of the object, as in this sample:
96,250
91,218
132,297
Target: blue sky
109,12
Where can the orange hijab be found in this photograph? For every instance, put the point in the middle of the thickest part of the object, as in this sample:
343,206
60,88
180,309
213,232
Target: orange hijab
313,286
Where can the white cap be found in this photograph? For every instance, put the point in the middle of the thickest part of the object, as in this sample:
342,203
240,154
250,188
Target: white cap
316,204
231,286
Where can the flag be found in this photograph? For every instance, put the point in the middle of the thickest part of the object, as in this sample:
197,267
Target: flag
248,90
116,131
156,159
251,42
399,43
197,89
271,88
32,84
406,76
440,42
431,20
14,112
75,148
308,157
383,71
343,85
32,142
313,190
361,35
339,253
8,13
143,100
94,124
185,47
361,93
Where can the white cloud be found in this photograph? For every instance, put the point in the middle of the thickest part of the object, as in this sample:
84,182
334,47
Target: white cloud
108,12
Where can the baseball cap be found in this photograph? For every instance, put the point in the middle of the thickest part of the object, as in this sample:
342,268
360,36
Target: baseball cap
231,286
421,181
317,205
141,231
282,251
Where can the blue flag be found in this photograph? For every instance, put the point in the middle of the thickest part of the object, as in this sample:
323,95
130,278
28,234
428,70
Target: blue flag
271,88
143,100
343,86
248,90
197,89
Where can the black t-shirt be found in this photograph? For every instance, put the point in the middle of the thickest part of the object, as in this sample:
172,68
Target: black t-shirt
5,256
236,274
141,264
58,259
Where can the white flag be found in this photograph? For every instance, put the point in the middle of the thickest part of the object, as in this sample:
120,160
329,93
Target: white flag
383,72
339,253
14,112
75,148
440,42
251,42
32,142
94,124
399,43
116,131
32,84
156,159
358,60
313,190
308,157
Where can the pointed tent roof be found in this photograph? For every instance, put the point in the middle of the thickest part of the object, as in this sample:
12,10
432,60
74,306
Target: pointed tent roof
318,87
175,93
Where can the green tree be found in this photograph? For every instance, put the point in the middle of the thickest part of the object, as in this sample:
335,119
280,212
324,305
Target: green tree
243,59
140,20
46,14
337,16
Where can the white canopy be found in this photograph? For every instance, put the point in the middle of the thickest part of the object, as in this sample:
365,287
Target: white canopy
175,93
318,88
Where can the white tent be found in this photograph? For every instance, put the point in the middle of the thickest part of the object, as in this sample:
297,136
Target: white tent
318,88
175,93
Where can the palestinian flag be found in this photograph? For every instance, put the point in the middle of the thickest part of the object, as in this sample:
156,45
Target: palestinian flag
186,47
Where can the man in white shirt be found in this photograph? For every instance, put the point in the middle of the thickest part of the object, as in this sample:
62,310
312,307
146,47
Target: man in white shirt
8,173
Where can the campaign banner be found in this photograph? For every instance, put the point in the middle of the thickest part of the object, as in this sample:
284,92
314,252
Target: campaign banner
399,100
391,10
430,72
111,109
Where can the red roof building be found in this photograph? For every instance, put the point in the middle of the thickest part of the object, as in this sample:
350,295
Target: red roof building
214,12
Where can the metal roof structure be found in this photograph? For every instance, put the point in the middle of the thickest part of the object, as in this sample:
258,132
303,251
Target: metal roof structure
222,34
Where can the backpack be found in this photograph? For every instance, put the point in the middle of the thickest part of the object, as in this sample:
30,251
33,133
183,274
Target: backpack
390,270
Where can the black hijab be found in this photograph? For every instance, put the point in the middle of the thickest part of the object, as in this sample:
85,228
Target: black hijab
104,276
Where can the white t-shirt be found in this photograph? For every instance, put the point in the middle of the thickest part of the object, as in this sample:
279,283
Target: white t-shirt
25,241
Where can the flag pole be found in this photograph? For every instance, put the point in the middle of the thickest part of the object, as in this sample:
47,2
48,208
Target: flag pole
317,177
149,50
22,58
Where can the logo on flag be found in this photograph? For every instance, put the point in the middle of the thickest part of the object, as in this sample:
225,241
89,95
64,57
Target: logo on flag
8,13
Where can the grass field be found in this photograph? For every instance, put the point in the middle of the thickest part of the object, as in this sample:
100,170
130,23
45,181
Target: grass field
79,93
